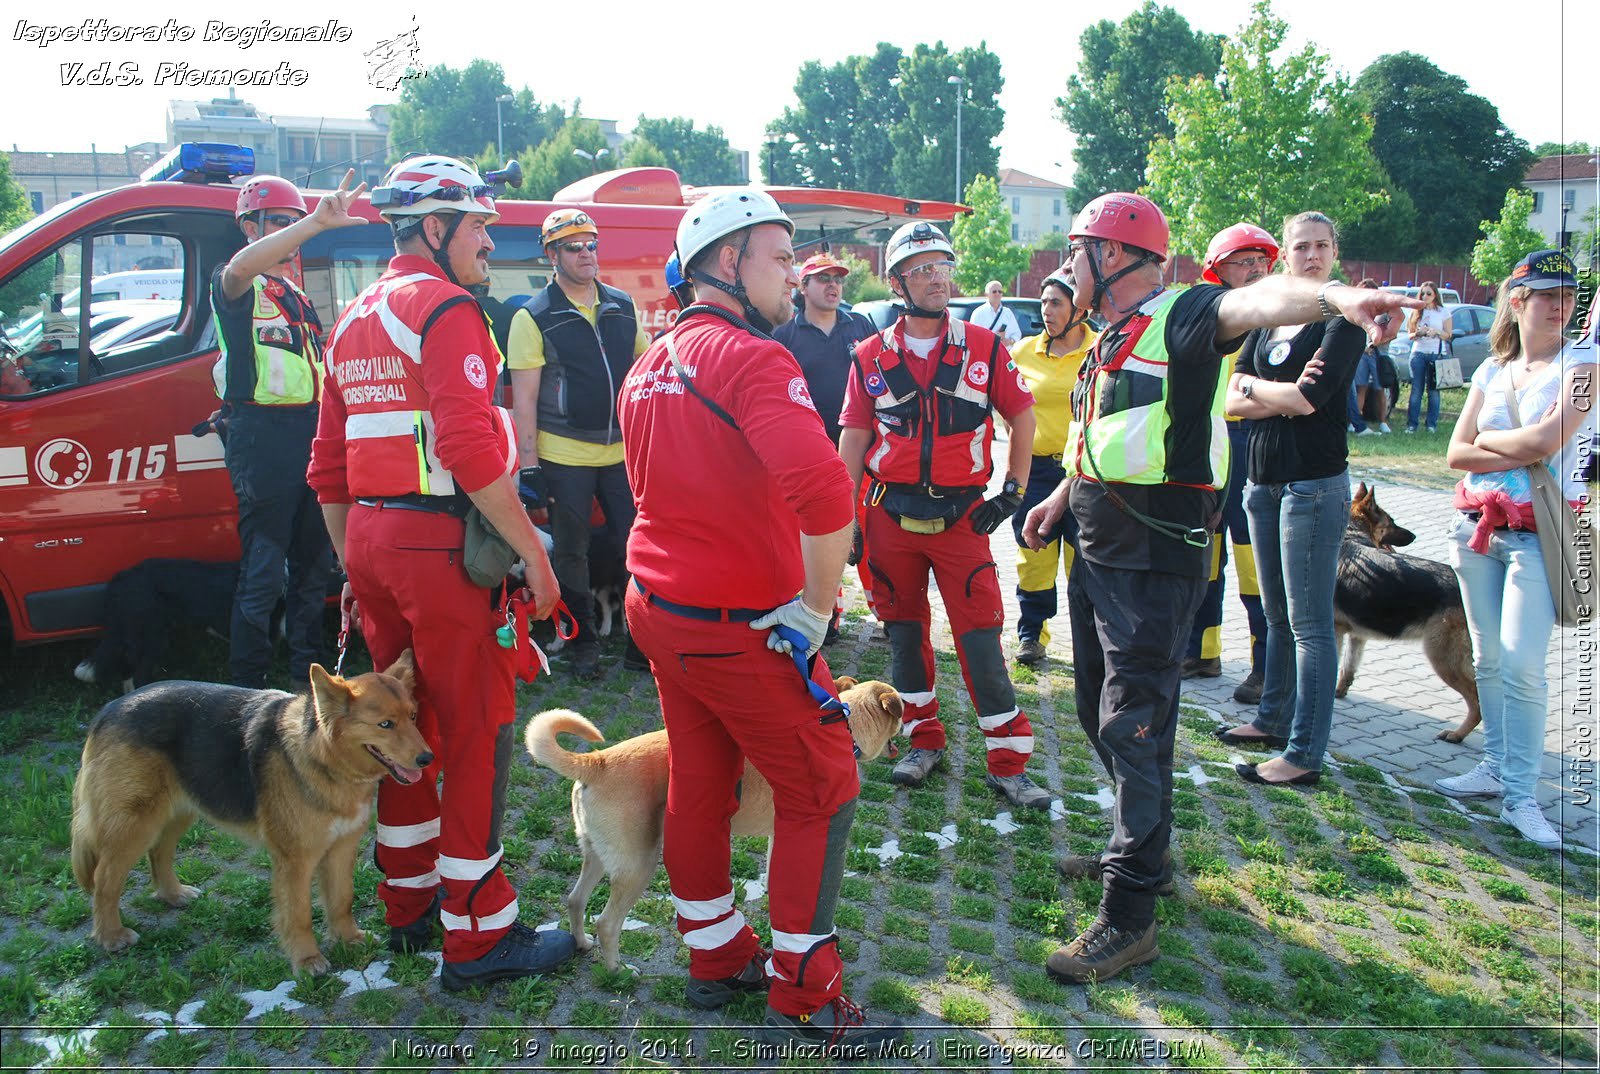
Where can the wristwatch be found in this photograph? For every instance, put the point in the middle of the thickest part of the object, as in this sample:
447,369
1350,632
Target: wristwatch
1012,488
1322,299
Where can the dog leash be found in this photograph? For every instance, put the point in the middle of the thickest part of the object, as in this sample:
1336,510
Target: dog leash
515,633
833,707
347,615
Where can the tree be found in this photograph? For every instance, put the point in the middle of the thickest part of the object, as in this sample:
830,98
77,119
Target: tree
834,134
1386,233
14,208
1506,240
862,284
453,112
982,238
701,157
924,140
1262,141
552,164
1443,145
1116,104
1558,149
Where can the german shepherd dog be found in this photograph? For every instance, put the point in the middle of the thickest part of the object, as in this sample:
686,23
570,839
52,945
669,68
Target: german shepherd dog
292,772
1383,595
619,801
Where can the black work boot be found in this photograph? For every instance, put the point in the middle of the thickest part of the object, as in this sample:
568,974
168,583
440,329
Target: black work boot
1090,867
633,658
709,995
521,952
417,936
585,660
1101,951
839,1029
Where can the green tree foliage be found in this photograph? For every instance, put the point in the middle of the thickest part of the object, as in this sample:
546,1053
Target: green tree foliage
643,153
1386,233
1556,149
1506,240
14,208
886,122
982,238
1444,146
701,157
453,112
1267,138
552,164
862,285
1116,104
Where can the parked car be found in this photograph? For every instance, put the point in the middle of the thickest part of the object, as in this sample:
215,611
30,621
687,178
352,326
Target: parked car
1469,341
1449,296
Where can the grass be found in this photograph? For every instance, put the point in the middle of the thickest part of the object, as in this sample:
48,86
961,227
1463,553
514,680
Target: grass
1291,913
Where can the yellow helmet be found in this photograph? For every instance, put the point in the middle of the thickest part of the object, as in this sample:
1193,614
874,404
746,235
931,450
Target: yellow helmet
565,223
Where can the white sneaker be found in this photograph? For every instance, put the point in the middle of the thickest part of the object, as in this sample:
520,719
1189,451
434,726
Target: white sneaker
1368,431
1527,818
1482,782
1383,427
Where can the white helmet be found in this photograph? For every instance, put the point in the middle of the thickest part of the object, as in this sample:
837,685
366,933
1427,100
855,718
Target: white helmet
917,237
418,186
721,215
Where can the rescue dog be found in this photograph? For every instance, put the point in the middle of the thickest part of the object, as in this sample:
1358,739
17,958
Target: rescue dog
293,772
619,801
1384,595
146,605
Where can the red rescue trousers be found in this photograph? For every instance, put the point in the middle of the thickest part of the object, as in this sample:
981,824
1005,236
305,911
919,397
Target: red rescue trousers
726,697
962,564
405,569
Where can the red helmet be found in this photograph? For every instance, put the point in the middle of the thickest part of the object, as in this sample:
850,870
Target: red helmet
1230,240
269,192
1126,218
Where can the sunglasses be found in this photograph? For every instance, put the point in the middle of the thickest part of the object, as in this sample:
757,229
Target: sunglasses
933,270
389,197
281,219
578,247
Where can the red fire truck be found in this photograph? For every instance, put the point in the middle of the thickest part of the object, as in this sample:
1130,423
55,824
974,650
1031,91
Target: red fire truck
100,464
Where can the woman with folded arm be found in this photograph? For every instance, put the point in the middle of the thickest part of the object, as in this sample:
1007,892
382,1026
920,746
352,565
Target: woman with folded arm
1495,551
1430,336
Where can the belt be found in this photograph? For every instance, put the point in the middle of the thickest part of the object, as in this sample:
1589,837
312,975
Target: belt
934,492
433,505
705,615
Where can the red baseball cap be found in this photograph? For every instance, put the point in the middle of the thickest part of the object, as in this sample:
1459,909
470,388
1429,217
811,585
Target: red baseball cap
822,263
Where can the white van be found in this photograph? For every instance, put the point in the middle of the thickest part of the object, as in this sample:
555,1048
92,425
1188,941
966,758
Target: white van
138,284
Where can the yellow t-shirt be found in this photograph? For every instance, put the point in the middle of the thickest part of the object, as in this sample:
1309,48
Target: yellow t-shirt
1051,379
525,350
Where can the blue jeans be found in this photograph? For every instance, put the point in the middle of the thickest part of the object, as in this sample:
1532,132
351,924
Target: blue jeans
1296,529
1510,615
1422,380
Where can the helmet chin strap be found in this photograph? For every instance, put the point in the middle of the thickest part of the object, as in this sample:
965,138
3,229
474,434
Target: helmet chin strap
910,308
736,290
440,255
1102,283
1078,317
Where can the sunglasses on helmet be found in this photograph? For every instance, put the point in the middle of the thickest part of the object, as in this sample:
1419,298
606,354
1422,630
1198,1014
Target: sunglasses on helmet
388,197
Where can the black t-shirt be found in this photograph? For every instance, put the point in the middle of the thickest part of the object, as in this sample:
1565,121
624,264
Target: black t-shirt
1108,535
825,359
1312,446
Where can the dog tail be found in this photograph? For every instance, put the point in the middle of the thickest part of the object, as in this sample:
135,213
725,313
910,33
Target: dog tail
85,856
541,741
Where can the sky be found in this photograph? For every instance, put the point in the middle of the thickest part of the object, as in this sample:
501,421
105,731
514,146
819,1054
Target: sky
733,65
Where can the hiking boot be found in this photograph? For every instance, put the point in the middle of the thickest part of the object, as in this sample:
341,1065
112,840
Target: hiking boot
914,767
633,658
1481,782
1030,651
1020,791
586,661
521,952
1249,691
839,1029
832,634
1102,951
1527,818
709,995
417,936
1089,867
1195,667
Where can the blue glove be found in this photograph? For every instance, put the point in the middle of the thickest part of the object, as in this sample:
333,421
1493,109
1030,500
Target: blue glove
799,619
533,487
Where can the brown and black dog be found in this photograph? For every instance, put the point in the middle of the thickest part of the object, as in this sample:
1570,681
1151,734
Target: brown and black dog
1383,595
292,772
619,800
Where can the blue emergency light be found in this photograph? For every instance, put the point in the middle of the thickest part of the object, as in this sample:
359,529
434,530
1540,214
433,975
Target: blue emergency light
202,162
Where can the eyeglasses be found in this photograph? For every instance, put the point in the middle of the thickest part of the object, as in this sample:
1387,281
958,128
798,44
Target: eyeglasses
1076,248
281,219
1248,262
578,247
933,270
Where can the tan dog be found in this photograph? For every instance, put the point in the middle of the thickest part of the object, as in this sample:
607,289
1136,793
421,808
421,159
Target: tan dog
292,772
619,801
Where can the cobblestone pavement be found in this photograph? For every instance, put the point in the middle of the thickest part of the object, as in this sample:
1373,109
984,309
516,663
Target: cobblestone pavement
1397,705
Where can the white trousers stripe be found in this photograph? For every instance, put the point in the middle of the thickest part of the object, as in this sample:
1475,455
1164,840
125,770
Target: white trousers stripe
1021,743
922,697
429,879
714,936
909,727
468,868
498,920
408,835
703,909
797,943
999,719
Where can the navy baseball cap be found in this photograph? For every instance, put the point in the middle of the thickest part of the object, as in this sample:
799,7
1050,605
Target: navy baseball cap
1544,269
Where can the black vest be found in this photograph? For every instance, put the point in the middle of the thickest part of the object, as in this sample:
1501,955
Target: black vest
584,364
